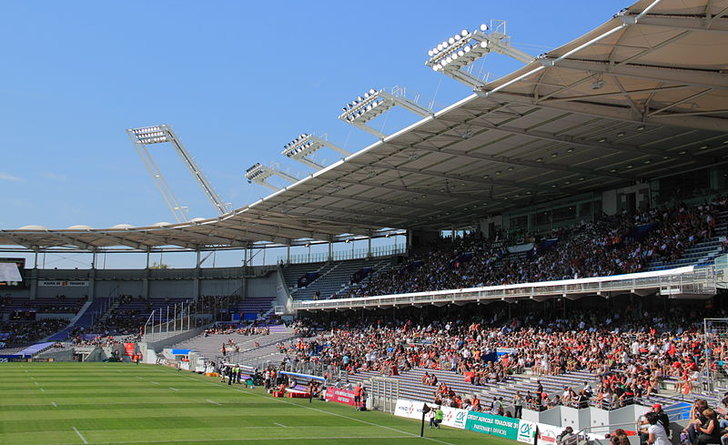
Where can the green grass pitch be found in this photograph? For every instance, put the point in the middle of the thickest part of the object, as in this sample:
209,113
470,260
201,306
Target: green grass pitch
121,403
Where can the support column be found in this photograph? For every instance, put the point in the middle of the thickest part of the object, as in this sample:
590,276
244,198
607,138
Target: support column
92,276
243,282
331,250
288,254
34,277
145,280
196,282
369,246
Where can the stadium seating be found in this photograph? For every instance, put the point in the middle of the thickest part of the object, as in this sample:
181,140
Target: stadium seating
252,307
240,348
330,278
128,314
651,240
703,252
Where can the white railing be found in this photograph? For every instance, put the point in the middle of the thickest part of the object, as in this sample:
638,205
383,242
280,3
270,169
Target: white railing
684,281
342,255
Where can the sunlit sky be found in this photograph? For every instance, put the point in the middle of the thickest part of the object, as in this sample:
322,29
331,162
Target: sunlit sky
235,80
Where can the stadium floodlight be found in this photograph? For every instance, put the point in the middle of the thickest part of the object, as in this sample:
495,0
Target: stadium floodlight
462,49
307,144
143,136
259,173
374,103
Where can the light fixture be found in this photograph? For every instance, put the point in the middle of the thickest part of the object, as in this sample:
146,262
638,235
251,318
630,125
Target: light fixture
305,145
375,103
598,84
603,140
641,128
465,47
157,134
259,174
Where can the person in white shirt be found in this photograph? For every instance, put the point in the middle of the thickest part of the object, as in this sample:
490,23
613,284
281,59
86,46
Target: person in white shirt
656,432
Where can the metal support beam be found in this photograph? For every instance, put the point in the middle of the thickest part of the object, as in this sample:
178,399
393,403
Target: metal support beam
567,140
696,78
685,23
540,165
456,177
621,113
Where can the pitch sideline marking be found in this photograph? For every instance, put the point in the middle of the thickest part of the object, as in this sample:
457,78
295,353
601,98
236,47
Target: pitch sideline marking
54,404
282,426
333,414
80,435
214,402
248,439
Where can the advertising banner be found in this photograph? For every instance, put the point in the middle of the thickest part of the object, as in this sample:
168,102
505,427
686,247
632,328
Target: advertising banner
453,417
340,396
49,283
548,434
526,431
506,427
409,409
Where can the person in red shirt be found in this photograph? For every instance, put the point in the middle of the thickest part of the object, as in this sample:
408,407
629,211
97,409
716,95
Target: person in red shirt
358,392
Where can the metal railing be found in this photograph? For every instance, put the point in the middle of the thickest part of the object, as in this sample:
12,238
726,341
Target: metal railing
682,281
342,255
331,372
383,392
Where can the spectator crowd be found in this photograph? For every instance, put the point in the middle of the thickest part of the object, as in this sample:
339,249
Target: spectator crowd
623,243
632,350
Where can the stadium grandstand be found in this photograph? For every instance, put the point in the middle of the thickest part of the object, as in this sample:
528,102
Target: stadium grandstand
564,263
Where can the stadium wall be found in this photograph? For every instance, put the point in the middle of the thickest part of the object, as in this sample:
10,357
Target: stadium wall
178,283
592,418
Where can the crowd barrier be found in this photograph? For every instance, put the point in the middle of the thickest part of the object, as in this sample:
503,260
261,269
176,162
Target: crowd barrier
507,427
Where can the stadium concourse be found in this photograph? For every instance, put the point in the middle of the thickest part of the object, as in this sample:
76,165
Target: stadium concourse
565,260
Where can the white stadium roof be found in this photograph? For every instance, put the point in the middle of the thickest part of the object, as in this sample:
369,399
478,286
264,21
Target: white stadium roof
643,96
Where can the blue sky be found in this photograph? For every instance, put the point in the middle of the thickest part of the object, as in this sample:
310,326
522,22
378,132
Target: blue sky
236,80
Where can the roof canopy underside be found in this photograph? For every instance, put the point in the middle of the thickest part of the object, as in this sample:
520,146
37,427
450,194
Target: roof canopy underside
643,96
